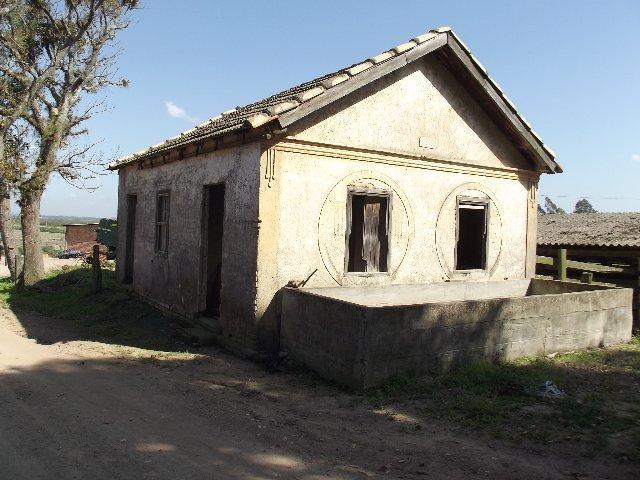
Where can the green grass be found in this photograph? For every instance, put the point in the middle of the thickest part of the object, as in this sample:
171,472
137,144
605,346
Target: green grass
600,413
51,250
111,316
52,228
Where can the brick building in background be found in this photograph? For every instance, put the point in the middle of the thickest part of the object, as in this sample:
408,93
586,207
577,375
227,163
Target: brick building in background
81,236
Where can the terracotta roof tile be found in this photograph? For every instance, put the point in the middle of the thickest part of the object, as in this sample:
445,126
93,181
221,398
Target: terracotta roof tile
268,109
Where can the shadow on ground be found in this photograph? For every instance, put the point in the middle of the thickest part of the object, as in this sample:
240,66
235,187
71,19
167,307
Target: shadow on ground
69,412
63,308
218,417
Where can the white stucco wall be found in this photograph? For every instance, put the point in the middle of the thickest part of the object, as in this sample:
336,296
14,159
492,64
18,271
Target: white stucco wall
373,138
312,222
421,100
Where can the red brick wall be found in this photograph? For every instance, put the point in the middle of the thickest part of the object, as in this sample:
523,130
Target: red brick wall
81,237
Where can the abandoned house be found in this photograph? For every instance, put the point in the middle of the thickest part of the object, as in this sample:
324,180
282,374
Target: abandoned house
80,236
377,220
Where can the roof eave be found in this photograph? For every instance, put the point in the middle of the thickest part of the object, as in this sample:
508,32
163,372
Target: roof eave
348,80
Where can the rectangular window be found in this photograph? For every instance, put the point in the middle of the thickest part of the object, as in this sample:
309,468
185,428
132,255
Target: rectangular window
367,232
162,222
471,245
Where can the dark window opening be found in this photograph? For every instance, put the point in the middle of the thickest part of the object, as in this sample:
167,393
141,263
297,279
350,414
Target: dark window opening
368,232
471,248
132,202
213,238
162,222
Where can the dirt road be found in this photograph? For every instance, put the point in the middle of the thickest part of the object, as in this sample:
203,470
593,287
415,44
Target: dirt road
50,263
87,410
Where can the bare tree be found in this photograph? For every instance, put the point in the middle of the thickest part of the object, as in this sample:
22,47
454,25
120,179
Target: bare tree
63,55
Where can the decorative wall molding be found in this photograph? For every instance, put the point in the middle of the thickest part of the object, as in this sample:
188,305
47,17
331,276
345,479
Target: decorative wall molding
430,162
270,167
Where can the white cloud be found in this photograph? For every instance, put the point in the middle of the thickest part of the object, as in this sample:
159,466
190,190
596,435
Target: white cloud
177,112
636,157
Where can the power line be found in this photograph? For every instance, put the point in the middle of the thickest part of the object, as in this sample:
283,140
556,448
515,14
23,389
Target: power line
592,197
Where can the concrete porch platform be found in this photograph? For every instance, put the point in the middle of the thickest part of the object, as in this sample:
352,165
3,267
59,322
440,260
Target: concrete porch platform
363,336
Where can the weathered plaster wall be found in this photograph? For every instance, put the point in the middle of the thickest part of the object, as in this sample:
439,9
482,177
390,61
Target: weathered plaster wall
373,138
312,220
422,100
175,280
363,346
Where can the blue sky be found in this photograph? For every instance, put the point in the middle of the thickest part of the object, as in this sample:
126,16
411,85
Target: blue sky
572,68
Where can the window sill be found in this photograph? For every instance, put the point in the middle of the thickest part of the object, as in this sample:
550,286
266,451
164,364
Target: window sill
366,274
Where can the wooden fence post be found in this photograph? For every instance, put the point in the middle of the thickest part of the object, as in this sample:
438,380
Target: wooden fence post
637,291
561,264
587,277
97,271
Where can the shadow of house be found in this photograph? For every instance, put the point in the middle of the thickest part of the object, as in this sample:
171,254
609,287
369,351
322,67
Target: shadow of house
69,310
217,416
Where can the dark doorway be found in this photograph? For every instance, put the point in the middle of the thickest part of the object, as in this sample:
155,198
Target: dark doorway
132,204
471,248
367,230
213,234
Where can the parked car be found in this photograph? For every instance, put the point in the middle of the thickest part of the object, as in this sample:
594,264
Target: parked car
71,254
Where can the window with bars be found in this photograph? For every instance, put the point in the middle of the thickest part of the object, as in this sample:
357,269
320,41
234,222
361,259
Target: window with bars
162,222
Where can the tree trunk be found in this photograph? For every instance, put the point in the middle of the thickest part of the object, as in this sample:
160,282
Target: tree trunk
6,230
33,269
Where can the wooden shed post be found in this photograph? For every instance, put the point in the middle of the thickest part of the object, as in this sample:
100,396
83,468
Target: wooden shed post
637,299
561,264
587,277
97,271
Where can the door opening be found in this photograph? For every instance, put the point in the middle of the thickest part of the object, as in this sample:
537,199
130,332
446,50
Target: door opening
471,247
132,203
367,232
214,229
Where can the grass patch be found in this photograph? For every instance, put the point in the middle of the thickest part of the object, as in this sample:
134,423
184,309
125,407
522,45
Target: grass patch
51,250
111,316
600,413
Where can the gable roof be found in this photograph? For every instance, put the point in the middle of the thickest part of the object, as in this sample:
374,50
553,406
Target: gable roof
589,229
289,106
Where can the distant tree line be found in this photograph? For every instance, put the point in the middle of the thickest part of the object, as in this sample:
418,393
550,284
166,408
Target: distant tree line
582,206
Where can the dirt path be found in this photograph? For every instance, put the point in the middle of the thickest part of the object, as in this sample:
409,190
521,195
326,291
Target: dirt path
92,410
50,263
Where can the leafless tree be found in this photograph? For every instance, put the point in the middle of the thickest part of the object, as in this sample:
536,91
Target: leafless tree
55,57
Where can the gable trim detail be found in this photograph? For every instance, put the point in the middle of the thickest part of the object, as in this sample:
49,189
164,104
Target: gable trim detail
401,159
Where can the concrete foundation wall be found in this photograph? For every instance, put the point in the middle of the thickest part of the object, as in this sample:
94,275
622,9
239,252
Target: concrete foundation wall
383,341
175,280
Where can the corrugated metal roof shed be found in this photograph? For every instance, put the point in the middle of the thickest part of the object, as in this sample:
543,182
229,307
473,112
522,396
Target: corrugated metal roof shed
590,229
